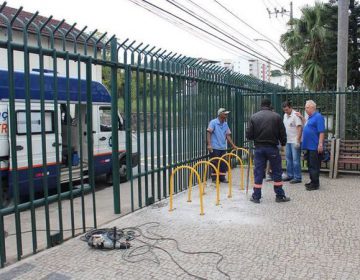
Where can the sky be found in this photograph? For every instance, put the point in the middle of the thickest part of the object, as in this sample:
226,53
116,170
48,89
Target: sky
249,20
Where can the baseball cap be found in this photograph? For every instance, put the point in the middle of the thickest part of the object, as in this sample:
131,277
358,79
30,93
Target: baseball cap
223,110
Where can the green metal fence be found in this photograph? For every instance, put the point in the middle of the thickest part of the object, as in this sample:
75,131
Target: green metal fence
325,103
63,131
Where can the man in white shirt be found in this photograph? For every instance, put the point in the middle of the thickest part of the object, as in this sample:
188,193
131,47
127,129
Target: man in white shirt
293,126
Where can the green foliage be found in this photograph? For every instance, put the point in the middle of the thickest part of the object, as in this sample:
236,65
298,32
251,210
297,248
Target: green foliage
143,87
275,73
312,45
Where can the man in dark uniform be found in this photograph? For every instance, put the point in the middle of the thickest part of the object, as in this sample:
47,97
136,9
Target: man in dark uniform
267,130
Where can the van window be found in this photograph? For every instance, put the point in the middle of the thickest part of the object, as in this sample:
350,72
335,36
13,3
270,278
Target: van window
105,118
35,122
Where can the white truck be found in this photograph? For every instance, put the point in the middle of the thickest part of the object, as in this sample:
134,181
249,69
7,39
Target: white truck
72,110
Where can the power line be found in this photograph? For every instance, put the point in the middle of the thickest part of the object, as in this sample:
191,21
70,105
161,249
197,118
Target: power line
248,25
211,34
226,24
193,31
216,28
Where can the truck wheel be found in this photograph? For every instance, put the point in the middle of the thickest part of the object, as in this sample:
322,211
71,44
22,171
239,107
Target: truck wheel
6,201
109,179
122,175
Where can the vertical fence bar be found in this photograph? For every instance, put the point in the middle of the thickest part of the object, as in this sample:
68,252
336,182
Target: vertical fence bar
81,151
128,129
57,129
190,116
114,127
152,152
13,153
169,155
29,137
89,133
181,96
158,151
43,141
138,134
174,120
164,130
144,100
69,143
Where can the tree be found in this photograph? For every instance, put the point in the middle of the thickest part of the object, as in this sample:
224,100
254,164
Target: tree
306,42
276,73
313,44
354,45
139,82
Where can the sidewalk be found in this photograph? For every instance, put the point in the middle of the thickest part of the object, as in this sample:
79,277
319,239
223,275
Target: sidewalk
315,236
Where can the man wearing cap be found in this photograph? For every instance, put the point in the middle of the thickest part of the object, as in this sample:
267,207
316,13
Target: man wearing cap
267,130
218,134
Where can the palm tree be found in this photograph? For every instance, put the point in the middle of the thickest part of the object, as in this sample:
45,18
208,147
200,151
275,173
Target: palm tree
306,43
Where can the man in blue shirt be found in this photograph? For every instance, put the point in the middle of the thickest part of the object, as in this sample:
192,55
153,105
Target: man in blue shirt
218,133
312,142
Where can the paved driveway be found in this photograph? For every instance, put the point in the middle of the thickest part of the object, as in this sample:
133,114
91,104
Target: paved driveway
315,236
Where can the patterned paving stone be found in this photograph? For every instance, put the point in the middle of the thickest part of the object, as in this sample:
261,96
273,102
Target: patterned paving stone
315,236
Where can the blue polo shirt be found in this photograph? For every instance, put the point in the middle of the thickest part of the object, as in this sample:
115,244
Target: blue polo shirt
312,129
218,131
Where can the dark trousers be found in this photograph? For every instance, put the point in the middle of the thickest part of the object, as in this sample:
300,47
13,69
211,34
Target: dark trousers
262,155
314,161
223,167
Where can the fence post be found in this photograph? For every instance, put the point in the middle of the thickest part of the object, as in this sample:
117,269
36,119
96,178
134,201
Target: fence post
242,118
115,129
275,98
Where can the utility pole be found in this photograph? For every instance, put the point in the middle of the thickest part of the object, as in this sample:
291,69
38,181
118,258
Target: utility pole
292,67
283,12
342,58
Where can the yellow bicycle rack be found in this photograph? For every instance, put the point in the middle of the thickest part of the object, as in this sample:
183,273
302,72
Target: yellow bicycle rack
250,168
241,167
204,179
193,171
230,177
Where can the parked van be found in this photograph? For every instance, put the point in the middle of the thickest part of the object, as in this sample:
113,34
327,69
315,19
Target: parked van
71,125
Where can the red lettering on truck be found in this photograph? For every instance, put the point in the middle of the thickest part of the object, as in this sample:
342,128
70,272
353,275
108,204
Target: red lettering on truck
4,128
